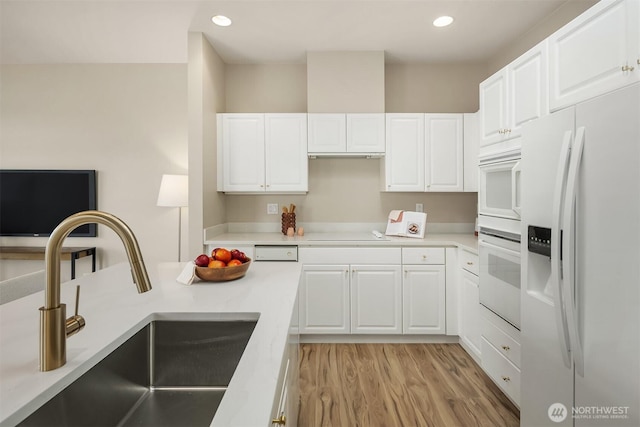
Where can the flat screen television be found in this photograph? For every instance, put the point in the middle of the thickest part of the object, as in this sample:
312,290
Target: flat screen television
34,202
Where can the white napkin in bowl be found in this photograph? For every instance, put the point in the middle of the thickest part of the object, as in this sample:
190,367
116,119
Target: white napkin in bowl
188,274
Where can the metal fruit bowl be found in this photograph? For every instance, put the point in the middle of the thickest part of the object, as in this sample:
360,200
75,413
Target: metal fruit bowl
223,274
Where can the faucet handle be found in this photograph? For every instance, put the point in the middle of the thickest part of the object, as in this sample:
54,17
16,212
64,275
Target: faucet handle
75,323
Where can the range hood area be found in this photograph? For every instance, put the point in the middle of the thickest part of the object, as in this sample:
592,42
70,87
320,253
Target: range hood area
344,86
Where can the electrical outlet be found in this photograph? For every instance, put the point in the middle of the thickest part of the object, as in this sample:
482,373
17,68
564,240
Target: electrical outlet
419,207
272,209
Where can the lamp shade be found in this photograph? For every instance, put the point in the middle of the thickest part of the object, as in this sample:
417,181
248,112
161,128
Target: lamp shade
174,191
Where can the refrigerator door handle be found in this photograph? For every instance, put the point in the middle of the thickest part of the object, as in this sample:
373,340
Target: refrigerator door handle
556,249
569,259
515,170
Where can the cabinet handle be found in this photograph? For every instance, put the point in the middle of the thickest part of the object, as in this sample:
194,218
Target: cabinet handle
638,61
424,257
469,263
506,348
282,419
506,379
628,68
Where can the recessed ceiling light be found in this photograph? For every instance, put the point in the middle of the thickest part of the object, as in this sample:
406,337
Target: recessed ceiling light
443,21
221,20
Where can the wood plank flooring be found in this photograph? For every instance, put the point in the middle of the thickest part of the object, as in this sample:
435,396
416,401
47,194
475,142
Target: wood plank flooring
404,385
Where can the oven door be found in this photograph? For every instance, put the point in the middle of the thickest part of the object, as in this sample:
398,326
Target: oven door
499,193
499,256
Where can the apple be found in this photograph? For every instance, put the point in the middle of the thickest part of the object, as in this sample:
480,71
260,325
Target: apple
239,255
234,262
202,260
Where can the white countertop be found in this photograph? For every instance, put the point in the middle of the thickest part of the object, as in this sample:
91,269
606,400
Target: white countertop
466,241
114,311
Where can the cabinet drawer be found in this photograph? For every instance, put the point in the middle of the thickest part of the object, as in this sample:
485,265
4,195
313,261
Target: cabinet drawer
504,373
504,337
349,255
423,255
469,261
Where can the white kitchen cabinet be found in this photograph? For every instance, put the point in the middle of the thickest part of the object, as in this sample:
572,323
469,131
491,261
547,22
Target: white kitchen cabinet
513,96
595,53
471,145
324,299
424,288
327,133
601,67
404,158
345,134
444,139
260,153
376,299
470,330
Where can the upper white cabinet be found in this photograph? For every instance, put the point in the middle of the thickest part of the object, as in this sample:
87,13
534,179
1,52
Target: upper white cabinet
346,133
513,96
262,153
404,158
471,146
444,152
424,152
597,52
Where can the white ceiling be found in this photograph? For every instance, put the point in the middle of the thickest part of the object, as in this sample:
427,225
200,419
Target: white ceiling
263,31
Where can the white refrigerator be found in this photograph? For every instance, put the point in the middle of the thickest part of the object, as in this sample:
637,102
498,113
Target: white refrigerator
580,295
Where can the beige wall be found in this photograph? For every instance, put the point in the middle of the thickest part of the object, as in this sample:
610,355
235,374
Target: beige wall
433,88
345,82
127,121
278,88
348,190
542,30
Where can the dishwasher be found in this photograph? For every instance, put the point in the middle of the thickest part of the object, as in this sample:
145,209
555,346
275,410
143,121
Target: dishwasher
276,253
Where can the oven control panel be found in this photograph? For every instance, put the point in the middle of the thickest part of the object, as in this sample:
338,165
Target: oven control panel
539,240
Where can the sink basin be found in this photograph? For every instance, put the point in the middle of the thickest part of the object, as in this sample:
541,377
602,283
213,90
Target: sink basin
170,373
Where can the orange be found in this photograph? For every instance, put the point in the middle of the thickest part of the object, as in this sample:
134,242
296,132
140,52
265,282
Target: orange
217,264
223,255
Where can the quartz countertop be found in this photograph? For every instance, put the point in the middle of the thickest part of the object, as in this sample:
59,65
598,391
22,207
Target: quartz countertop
466,241
114,311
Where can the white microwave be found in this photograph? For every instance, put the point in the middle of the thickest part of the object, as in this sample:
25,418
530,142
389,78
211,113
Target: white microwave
499,189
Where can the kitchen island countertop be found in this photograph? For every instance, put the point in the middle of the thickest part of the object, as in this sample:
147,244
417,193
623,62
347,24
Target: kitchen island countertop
114,311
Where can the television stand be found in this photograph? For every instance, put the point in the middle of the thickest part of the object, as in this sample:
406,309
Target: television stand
37,253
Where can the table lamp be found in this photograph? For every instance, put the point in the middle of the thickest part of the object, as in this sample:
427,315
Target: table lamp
174,192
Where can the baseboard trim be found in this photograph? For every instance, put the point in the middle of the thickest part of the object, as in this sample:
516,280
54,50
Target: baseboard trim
378,339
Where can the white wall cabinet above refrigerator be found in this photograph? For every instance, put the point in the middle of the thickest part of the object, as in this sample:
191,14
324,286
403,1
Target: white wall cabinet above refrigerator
260,153
513,96
425,152
346,134
597,52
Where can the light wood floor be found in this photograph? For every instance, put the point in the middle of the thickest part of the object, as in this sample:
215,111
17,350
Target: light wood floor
404,385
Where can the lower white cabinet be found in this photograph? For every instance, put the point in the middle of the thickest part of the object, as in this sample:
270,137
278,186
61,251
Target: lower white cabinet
424,291
324,300
376,299
470,330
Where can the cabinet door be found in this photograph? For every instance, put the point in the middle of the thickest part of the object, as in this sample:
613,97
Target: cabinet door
286,167
493,108
242,152
471,145
327,133
424,290
376,299
470,321
404,158
528,88
365,133
444,141
324,299
589,55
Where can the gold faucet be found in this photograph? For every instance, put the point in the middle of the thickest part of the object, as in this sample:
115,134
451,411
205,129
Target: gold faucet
54,327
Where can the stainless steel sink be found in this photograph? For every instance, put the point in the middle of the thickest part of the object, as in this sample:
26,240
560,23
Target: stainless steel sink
170,373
